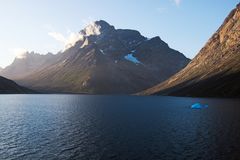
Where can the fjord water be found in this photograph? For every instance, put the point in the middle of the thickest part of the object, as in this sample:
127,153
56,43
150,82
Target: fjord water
117,127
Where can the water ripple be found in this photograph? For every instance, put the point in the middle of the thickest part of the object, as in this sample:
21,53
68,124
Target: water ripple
117,128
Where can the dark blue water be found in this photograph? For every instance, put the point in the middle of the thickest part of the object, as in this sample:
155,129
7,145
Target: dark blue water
117,127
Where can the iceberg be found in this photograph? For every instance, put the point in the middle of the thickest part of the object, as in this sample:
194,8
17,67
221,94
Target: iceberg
199,106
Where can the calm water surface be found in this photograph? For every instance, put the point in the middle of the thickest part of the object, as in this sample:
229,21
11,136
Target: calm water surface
117,127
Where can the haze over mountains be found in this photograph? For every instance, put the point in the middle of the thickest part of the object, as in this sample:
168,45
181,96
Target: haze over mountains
27,63
105,60
215,71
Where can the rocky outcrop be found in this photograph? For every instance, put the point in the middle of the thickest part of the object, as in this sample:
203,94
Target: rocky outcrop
215,71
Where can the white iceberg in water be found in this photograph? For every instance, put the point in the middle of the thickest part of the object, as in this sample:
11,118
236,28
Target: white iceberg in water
199,106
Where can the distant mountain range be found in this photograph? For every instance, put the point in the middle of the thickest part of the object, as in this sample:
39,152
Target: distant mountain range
105,60
215,71
27,64
9,87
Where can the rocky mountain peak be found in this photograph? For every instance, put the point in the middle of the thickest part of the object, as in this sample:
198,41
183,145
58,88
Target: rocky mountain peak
21,55
103,60
158,40
26,63
238,5
29,55
101,23
97,28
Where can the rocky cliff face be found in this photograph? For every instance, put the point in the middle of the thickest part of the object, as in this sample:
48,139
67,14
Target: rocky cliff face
215,71
106,60
9,87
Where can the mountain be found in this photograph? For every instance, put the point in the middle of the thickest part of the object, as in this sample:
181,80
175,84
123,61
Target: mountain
26,64
106,60
1,69
215,71
9,87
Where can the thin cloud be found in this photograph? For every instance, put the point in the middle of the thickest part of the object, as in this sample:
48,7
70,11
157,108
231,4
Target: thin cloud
72,39
69,40
161,9
88,20
48,27
19,52
57,36
177,2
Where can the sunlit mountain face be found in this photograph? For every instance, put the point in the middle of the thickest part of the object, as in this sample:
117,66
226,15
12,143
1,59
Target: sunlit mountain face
215,71
103,60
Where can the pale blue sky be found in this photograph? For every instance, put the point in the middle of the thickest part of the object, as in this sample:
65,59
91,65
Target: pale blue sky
185,25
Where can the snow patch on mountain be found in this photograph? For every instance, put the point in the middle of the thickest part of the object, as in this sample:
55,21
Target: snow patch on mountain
131,58
102,52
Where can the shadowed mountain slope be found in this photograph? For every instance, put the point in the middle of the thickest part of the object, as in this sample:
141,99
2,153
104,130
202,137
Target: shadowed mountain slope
215,71
10,87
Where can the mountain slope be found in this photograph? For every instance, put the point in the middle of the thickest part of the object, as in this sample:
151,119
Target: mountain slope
26,64
9,87
106,60
215,71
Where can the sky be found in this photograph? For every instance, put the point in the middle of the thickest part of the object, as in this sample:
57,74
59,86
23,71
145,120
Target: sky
46,26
